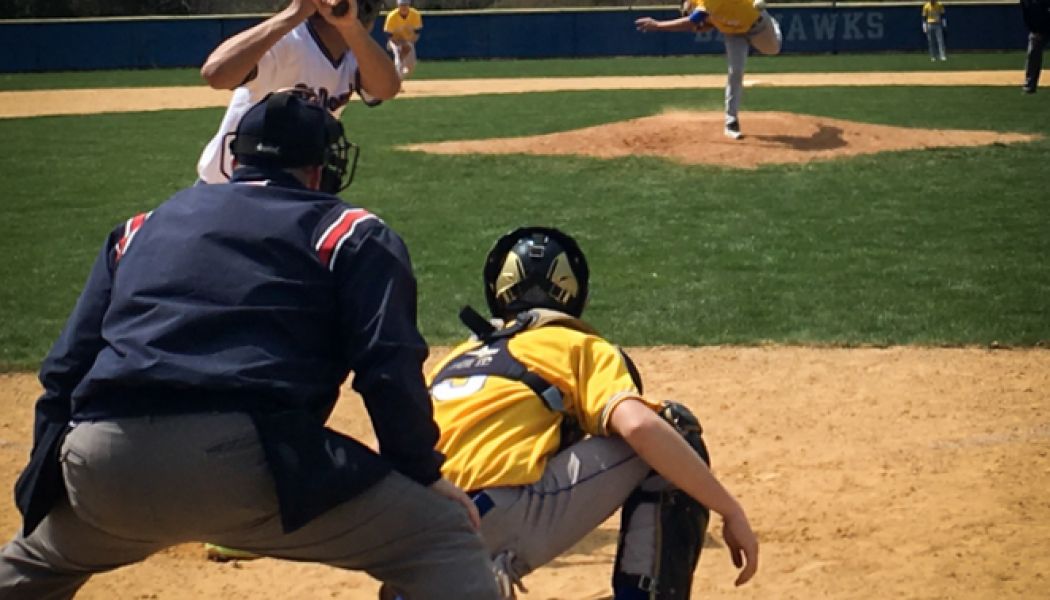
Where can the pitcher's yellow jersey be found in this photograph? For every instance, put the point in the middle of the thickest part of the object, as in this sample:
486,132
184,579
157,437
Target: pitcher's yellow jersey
498,432
731,17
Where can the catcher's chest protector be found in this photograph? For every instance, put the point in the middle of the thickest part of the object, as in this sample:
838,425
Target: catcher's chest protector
494,359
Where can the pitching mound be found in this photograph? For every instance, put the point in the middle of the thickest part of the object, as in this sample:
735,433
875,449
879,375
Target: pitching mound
696,138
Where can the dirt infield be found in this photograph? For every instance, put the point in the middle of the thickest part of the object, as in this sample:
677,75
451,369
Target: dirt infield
90,101
868,473
916,472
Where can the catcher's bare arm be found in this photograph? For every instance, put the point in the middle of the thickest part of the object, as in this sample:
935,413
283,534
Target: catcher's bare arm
663,449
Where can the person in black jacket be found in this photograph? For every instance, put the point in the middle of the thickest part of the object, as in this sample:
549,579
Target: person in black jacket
1036,15
186,397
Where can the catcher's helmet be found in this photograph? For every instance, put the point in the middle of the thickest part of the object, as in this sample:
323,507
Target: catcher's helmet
535,267
289,128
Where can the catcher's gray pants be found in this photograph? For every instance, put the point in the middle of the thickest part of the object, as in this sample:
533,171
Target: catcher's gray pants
136,486
935,41
528,526
1034,60
765,37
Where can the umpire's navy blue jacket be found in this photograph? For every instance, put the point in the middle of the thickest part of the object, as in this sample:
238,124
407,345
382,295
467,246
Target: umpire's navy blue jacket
257,296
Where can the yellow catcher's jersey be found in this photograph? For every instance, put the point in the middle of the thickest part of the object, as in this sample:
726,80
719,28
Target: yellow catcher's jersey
728,16
497,432
932,12
401,28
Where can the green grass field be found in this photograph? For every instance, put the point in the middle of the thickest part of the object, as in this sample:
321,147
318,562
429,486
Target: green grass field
944,246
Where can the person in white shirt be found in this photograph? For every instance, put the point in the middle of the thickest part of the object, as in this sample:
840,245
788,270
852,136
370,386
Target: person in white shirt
306,45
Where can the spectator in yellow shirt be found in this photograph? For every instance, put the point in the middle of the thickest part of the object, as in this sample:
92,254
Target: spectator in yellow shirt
402,28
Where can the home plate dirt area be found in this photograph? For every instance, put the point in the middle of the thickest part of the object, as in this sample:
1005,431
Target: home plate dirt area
867,473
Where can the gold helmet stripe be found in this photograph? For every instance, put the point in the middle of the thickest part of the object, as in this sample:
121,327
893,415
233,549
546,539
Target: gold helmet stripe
510,275
560,274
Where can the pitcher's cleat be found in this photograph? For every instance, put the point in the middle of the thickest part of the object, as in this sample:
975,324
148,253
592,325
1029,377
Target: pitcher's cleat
732,130
224,554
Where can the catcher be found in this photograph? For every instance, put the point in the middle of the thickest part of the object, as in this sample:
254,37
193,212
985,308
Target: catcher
544,422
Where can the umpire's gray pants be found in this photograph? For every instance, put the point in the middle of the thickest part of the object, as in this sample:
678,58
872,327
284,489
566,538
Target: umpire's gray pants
1033,65
765,37
528,526
136,486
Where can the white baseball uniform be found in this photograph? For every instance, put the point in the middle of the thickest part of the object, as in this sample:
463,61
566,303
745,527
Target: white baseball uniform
299,59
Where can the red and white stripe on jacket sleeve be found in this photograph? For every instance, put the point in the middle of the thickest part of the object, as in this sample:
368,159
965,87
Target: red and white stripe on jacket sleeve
338,232
131,227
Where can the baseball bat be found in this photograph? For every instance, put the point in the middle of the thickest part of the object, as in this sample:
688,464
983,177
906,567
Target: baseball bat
341,8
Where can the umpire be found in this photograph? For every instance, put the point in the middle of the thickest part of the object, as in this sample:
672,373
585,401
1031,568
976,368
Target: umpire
1036,14
185,399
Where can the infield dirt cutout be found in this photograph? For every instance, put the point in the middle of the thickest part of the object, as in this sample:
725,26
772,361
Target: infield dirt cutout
868,473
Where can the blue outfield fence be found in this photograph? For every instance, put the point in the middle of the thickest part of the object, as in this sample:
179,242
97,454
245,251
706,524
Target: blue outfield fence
82,44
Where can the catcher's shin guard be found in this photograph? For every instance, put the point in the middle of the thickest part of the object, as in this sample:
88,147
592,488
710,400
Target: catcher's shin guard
677,524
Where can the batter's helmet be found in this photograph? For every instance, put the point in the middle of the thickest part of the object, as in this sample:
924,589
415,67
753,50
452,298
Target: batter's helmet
288,129
535,267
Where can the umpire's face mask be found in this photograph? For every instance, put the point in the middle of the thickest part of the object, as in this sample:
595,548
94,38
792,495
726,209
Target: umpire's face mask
340,161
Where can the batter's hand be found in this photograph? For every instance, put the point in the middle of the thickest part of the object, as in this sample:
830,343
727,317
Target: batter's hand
447,489
743,546
303,8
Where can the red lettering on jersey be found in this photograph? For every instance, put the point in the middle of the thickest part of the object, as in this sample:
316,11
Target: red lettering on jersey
131,227
338,232
332,102
335,102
